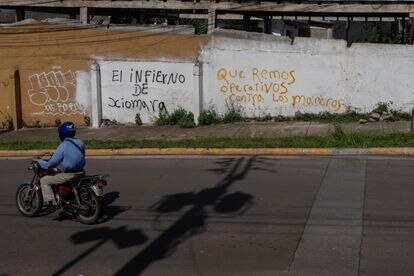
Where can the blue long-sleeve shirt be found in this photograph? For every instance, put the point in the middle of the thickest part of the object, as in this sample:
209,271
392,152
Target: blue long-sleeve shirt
67,156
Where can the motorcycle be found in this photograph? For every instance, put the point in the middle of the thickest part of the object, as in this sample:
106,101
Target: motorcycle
81,198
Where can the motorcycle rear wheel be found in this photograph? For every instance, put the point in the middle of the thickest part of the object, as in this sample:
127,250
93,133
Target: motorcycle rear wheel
94,207
32,205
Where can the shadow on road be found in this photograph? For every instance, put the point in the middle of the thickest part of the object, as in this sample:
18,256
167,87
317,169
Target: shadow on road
111,211
190,223
193,221
121,237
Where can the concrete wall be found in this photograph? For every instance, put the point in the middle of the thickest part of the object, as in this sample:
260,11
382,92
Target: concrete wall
265,74
54,62
145,73
147,88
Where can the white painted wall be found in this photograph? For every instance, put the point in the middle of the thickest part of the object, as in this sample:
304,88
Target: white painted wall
265,74
146,88
261,74
83,89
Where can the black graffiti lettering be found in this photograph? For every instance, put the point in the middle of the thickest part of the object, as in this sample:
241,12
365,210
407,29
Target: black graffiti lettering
135,104
140,89
145,88
147,75
171,79
161,106
153,104
144,105
159,77
140,104
158,107
138,76
116,76
137,91
153,75
114,103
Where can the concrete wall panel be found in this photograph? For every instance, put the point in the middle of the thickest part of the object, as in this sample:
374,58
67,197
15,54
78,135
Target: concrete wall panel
263,74
147,88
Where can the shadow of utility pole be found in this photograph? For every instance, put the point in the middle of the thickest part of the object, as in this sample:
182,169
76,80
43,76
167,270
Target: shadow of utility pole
122,237
189,223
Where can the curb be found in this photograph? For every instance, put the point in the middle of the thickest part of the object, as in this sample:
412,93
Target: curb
224,151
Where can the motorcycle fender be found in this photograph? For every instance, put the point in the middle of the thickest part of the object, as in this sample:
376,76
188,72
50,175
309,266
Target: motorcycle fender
98,191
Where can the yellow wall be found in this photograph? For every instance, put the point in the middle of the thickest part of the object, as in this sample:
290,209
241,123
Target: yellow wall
55,54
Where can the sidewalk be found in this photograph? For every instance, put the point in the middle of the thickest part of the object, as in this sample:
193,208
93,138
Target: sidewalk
235,130
240,130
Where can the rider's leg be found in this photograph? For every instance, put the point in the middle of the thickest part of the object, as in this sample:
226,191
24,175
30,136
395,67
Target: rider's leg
47,181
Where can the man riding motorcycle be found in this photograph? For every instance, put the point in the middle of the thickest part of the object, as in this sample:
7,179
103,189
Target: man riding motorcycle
69,157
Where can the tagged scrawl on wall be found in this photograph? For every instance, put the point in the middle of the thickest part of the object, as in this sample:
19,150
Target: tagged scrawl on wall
55,93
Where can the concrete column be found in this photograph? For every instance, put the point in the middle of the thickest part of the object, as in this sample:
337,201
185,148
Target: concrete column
198,89
267,25
84,17
141,18
96,95
15,99
20,15
212,17
329,33
411,35
246,22
348,27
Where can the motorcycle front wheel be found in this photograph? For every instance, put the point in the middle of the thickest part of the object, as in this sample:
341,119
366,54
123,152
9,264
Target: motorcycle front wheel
29,200
93,209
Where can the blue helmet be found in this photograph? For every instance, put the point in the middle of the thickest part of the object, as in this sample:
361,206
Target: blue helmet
66,130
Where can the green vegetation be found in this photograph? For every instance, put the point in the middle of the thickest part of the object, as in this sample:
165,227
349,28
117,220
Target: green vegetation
87,120
349,116
200,25
232,115
382,107
180,117
57,122
35,124
7,122
379,35
397,115
107,122
336,139
208,117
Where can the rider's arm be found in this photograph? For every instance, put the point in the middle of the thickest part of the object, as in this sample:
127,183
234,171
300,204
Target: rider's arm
54,161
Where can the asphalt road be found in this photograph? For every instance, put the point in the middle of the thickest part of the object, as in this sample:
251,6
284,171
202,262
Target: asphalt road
223,216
